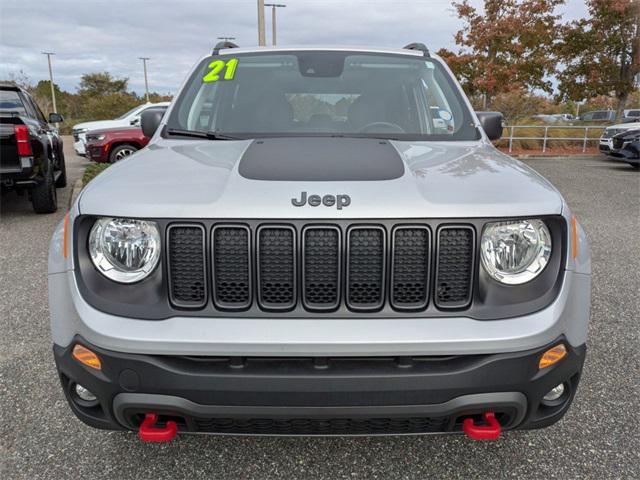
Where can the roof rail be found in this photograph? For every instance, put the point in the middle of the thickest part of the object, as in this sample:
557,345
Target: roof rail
224,44
418,46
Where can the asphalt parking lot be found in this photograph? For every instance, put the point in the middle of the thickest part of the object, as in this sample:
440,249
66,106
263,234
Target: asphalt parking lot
599,438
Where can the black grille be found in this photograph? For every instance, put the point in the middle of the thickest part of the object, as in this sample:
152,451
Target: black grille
410,272
231,267
365,267
276,267
617,143
324,426
321,267
187,266
455,267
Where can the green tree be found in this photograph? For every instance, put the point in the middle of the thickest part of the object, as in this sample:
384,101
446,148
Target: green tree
102,83
505,47
601,54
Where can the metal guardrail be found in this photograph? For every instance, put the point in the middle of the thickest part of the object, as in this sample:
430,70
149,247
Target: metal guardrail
546,138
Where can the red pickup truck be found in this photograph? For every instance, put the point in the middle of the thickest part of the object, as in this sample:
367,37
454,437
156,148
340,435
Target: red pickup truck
112,145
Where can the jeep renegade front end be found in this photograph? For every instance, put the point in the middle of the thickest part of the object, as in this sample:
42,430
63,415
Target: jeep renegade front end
319,241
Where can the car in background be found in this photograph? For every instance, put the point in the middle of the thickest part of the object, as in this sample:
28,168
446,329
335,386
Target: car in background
606,140
114,144
132,117
631,115
31,154
602,116
555,117
626,147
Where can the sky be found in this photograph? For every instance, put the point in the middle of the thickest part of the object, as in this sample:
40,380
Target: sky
97,35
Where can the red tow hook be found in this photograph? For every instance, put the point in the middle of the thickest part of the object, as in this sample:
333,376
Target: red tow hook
149,433
490,431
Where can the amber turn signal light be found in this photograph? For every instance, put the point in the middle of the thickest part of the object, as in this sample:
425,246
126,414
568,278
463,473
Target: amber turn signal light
86,357
552,356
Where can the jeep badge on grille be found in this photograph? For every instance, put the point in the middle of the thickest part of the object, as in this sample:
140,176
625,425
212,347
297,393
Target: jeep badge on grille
339,201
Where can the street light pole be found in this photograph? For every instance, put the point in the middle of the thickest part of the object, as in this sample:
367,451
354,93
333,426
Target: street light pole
273,19
261,34
53,91
146,82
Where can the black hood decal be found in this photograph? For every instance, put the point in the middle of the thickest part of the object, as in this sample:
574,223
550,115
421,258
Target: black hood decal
321,159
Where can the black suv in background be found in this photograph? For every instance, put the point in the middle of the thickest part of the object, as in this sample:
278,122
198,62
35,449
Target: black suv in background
31,155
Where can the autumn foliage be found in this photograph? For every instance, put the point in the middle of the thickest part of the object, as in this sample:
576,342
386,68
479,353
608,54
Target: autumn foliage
513,46
600,55
506,47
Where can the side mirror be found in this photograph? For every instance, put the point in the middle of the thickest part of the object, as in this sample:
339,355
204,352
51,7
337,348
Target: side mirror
491,123
135,121
55,118
150,120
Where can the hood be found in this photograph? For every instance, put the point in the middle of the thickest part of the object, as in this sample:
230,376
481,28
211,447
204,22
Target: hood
128,130
225,179
101,124
628,125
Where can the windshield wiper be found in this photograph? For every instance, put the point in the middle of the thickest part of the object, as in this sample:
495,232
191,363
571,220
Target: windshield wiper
214,135
211,135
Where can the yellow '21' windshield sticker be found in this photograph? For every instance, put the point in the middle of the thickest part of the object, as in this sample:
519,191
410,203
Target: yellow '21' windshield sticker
216,67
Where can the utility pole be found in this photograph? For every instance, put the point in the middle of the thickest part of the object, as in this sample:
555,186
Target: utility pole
273,19
146,82
53,90
261,34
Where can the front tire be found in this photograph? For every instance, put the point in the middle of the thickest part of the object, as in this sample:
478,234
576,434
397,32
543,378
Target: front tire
62,166
121,152
43,196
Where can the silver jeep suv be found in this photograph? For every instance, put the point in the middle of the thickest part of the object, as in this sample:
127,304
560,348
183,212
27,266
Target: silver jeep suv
319,241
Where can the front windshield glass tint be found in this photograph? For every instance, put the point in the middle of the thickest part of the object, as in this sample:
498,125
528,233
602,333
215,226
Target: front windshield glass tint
122,117
323,93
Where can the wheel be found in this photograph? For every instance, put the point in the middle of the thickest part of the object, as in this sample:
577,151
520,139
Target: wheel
635,165
121,152
43,196
62,167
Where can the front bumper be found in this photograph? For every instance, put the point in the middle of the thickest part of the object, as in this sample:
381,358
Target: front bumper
98,152
320,396
79,146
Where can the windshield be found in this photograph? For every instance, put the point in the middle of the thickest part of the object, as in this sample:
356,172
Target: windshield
323,93
10,101
134,109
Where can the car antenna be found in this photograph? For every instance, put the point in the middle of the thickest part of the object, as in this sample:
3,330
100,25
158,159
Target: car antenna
418,46
224,44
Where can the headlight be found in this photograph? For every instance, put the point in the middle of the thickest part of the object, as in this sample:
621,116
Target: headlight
95,138
515,252
123,249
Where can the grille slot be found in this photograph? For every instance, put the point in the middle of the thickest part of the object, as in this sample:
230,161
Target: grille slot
454,271
410,267
276,267
186,264
366,268
321,255
231,267
324,426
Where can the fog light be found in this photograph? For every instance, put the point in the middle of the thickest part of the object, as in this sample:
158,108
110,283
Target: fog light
555,393
84,394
